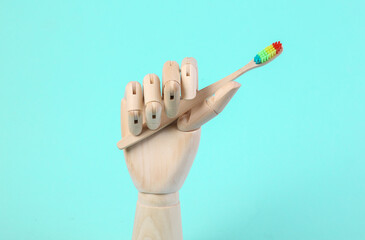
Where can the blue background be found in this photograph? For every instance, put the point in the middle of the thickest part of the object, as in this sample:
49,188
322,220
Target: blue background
284,161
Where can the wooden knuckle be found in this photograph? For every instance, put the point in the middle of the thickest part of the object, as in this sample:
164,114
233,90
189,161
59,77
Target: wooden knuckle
133,95
170,72
189,81
153,115
135,122
172,98
151,88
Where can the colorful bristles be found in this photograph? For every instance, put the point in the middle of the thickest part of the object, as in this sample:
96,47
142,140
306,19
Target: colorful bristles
268,53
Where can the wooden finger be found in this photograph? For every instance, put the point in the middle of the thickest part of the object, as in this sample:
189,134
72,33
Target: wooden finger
189,78
133,95
152,98
171,87
210,108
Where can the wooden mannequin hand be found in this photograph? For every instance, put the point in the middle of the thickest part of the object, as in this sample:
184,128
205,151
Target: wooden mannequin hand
160,163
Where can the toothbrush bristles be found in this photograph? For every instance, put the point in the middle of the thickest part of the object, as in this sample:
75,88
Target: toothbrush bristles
268,53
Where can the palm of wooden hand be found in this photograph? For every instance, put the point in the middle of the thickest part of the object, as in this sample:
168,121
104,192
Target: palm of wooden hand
160,163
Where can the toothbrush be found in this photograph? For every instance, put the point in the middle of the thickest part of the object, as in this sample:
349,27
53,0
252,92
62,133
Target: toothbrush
262,58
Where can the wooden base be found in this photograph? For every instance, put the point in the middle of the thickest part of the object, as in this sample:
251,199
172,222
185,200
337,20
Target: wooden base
158,217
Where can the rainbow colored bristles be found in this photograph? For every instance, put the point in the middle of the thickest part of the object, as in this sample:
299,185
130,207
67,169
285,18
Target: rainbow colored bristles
268,53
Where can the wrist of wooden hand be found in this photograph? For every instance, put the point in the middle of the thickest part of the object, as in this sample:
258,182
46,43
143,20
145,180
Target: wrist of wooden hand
158,200
158,216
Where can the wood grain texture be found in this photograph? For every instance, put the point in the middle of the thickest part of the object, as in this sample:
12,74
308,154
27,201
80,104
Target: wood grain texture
160,164
158,217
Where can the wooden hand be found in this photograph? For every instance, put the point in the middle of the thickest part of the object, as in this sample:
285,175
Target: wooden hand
159,164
